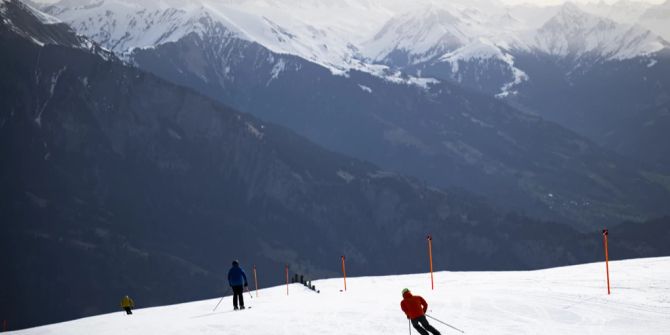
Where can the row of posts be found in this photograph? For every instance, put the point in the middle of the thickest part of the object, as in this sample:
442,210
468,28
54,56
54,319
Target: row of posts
429,238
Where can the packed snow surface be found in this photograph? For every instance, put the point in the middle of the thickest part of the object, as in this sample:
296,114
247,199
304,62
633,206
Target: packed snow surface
567,300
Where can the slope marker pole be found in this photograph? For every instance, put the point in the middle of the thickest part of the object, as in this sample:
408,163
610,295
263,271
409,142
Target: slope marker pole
607,266
430,257
344,274
255,281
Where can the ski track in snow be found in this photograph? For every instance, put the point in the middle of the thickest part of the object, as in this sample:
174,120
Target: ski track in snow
567,300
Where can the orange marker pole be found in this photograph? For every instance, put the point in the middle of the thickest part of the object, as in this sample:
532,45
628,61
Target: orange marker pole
286,279
430,257
607,266
344,273
255,281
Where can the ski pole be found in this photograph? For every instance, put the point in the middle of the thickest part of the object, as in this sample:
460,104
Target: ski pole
409,325
250,296
217,304
220,300
446,324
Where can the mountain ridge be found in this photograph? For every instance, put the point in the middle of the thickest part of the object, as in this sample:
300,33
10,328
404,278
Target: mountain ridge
283,32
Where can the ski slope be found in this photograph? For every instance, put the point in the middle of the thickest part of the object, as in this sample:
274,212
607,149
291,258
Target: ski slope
567,300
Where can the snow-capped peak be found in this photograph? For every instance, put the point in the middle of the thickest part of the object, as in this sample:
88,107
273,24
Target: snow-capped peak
123,25
427,32
575,33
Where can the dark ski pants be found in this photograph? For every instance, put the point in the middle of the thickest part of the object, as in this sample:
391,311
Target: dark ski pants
128,311
421,325
237,293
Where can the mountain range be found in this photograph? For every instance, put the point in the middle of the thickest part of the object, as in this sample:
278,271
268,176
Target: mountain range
408,88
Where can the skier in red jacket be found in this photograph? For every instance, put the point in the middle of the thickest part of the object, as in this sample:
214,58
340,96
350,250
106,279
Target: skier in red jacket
415,308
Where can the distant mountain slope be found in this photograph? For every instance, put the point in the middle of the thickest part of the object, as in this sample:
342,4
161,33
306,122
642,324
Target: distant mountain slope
438,132
599,100
643,136
444,134
469,52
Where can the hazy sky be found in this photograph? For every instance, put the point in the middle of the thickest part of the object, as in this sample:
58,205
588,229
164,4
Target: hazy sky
553,2
540,2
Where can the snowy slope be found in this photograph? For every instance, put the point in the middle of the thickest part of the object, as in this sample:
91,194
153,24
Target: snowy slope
433,29
568,300
319,31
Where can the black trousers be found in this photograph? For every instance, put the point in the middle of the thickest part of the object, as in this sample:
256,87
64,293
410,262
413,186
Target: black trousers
237,294
423,327
128,311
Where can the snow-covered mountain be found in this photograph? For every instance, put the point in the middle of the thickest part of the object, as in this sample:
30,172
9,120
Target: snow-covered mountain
312,30
575,34
357,35
566,300
426,33
273,59
421,41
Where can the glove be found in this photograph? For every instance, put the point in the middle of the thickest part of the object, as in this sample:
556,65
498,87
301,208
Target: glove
246,284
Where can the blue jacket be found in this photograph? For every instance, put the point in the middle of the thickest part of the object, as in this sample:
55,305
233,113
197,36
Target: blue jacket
236,276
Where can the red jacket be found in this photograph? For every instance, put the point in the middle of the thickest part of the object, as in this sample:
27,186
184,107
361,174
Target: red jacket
413,305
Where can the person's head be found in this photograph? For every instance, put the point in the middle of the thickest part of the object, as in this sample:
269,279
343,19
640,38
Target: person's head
406,293
236,263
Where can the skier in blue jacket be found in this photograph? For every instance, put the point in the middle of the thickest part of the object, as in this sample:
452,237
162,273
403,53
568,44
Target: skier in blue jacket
237,280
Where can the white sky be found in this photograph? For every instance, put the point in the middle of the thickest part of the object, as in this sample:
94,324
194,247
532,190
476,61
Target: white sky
538,2
554,2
